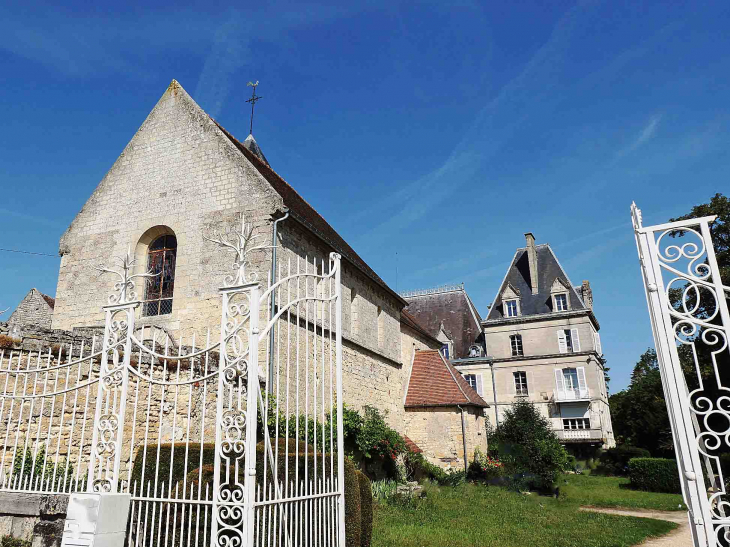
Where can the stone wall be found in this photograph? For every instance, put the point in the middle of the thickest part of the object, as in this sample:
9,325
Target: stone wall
437,431
33,311
38,518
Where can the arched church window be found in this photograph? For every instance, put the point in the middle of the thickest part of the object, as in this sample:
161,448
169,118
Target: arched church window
161,262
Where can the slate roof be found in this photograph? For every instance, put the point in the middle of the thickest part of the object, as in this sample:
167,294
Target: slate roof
435,382
306,214
407,319
518,275
452,307
253,147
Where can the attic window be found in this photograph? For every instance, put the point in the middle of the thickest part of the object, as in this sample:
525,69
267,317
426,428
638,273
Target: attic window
510,308
561,302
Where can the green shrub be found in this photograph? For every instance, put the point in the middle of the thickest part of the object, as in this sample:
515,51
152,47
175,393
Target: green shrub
366,510
528,445
171,458
40,472
484,467
353,522
384,490
615,461
10,541
376,438
654,475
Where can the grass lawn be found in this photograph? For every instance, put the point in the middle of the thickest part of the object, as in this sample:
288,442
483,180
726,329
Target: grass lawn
601,491
479,516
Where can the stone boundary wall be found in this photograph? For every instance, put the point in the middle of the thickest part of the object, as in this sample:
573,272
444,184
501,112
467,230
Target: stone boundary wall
34,338
38,518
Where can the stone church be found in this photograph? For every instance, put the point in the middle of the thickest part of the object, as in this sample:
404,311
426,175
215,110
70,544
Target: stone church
182,177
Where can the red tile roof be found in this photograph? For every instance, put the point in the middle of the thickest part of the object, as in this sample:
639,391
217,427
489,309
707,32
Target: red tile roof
307,215
435,382
413,447
49,300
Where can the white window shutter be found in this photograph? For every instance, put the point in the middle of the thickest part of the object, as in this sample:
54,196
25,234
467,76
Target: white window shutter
582,387
559,383
479,385
575,339
562,345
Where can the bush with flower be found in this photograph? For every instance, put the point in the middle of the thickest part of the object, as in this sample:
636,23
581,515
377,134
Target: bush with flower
485,467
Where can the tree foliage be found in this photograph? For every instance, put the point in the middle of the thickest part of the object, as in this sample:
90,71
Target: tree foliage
527,444
639,413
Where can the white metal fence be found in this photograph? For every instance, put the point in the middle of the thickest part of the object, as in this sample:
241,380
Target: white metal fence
212,449
688,309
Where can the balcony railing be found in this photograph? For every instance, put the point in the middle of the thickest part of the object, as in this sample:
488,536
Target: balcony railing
579,435
572,394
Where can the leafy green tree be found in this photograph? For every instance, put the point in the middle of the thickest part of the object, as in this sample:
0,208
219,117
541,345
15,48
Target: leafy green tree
528,444
639,413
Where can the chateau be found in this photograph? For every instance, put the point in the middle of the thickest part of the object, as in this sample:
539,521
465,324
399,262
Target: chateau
539,342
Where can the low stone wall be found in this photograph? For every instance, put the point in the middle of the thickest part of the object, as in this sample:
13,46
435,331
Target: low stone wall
38,518
36,338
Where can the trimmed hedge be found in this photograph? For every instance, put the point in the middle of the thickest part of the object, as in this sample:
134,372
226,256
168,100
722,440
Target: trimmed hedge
353,521
301,456
654,475
615,461
366,509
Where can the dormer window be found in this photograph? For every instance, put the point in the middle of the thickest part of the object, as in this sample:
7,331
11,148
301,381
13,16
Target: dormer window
511,301
559,293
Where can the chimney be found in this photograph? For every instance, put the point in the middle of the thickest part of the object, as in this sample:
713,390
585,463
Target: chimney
587,294
532,258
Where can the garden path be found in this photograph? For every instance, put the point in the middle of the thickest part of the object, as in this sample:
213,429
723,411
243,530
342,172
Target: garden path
681,537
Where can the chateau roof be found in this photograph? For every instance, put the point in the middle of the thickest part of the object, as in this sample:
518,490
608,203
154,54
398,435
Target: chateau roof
304,213
435,382
453,307
518,277
410,321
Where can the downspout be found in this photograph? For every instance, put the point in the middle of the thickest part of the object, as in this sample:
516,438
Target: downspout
463,438
274,243
494,392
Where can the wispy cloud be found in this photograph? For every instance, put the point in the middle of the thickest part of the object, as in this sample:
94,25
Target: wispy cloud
31,218
644,136
230,52
532,90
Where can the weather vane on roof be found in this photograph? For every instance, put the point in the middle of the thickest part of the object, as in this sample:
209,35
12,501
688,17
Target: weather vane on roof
253,100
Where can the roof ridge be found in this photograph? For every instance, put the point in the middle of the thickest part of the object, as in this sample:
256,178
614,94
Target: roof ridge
291,198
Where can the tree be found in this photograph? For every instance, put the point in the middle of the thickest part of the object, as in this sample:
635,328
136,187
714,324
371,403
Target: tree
639,413
528,444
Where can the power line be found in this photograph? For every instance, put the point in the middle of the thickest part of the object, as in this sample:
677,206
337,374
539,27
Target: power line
26,252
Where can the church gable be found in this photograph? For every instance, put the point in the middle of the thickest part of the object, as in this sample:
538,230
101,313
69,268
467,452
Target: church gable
181,177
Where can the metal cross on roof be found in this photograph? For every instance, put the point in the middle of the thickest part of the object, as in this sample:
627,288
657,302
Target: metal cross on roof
253,100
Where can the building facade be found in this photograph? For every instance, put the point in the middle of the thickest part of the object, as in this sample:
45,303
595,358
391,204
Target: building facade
543,345
182,182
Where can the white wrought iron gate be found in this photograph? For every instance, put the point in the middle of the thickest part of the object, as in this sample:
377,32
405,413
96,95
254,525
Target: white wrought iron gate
689,315
212,451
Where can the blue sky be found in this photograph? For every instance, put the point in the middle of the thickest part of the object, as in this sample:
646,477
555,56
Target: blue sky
432,135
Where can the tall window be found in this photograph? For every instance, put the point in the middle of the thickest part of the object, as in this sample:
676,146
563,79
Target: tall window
445,350
515,341
161,262
471,379
561,302
570,379
510,307
520,382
